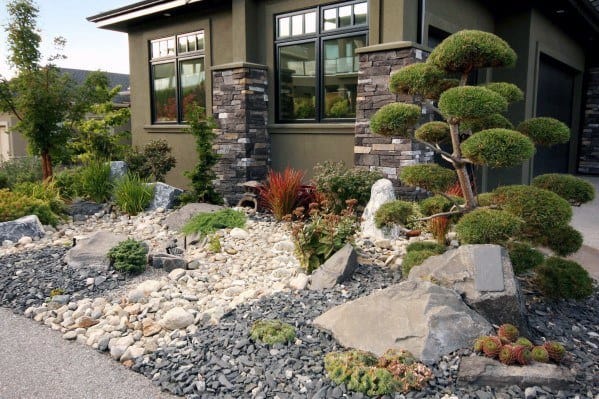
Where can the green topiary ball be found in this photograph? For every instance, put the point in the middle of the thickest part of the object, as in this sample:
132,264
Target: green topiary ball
470,102
426,246
487,226
129,256
438,203
272,332
393,213
545,131
433,132
416,79
471,49
487,122
430,176
395,119
415,258
571,188
563,240
540,209
561,278
498,148
524,257
509,91
485,199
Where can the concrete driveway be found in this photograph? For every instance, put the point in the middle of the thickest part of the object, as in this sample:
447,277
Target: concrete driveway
586,220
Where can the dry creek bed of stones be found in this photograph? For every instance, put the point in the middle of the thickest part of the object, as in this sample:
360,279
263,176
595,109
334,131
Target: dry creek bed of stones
188,330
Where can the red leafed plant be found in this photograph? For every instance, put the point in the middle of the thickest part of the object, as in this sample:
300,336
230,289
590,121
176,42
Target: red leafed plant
280,194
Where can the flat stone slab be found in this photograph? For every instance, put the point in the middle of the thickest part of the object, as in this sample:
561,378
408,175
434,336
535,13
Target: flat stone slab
92,251
177,219
482,371
489,268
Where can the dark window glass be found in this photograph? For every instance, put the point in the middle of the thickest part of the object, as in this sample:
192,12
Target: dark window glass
165,92
297,81
193,91
345,16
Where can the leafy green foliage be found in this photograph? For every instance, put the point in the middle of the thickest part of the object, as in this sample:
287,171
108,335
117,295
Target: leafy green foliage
281,191
415,258
23,37
571,188
95,181
498,148
509,91
339,183
561,278
47,192
207,223
433,132
153,162
393,213
426,246
416,79
438,204
487,122
19,170
132,194
430,176
470,102
524,257
129,256
202,176
467,50
272,332
545,131
563,240
488,226
15,205
214,243
395,119
68,182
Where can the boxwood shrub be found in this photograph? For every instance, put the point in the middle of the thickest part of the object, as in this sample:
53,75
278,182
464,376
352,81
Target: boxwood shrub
571,188
393,213
524,257
563,240
429,176
488,226
561,278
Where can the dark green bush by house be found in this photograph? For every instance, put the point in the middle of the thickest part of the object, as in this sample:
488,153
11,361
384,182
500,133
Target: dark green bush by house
153,162
561,278
129,256
524,257
393,213
571,188
487,226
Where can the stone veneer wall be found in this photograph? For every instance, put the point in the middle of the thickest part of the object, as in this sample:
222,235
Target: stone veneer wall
589,145
239,105
374,152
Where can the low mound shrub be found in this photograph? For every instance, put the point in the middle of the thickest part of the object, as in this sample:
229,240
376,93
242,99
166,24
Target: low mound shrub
571,188
563,240
129,256
272,332
487,226
438,204
47,192
524,257
393,213
15,205
132,194
429,176
207,223
561,278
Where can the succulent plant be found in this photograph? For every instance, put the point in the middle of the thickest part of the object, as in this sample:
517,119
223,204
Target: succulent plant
396,356
478,344
556,350
272,332
507,355
508,333
523,341
492,346
540,354
522,354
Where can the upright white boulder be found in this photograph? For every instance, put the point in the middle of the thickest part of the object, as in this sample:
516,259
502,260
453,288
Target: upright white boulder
382,192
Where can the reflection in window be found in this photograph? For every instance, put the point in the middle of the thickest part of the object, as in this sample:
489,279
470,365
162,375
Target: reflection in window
193,90
165,92
297,81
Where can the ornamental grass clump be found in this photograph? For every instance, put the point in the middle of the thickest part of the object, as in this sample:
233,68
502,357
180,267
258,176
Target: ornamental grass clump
95,181
280,194
206,223
129,256
272,332
133,194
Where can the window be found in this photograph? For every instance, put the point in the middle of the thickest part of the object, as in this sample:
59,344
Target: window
317,65
178,76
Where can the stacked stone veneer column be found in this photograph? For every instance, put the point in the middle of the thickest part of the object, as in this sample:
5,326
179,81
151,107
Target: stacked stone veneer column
374,152
239,105
589,146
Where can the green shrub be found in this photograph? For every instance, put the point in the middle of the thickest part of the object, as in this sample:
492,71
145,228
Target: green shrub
470,102
393,213
545,131
339,183
571,188
485,199
129,256
509,91
132,194
281,191
487,226
471,49
3,180
48,193
563,240
395,119
540,209
419,78
95,181
430,176
561,278
15,205
426,246
433,132
272,332
20,170
438,204
339,109
492,121
415,258
69,184
207,223
498,148
524,257
154,162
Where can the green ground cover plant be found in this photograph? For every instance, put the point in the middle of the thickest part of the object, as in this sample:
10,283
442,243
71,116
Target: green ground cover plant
272,332
207,223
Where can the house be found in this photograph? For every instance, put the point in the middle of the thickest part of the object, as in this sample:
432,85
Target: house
14,145
294,82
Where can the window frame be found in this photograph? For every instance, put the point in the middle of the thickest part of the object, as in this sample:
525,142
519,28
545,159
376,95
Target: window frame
318,38
177,58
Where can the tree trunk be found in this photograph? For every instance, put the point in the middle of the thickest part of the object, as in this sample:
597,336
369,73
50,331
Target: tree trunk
460,167
46,165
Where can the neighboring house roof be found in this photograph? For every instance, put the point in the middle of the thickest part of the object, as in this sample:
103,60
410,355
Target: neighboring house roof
114,79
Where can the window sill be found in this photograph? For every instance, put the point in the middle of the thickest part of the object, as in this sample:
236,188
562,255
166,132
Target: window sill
312,128
166,128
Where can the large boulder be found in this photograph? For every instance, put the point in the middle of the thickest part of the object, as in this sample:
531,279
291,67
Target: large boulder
27,226
118,169
336,269
167,262
382,191
483,276
165,196
92,251
428,320
177,219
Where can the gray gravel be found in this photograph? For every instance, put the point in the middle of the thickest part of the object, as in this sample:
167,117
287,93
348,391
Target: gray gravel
37,363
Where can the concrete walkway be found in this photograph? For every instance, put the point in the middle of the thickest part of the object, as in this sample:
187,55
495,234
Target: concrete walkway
586,220
36,362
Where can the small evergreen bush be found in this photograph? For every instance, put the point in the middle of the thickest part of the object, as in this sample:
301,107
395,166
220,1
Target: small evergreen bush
132,194
272,332
46,192
15,205
488,122
393,213
395,119
415,258
498,148
281,191
95,181
430,176
433,132
487,226
524,257
561,278
563,240
509,91
129,256
571,188
545,131
470,102
207,223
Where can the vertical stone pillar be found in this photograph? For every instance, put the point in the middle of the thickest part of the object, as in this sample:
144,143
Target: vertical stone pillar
374,152
239,106
589,142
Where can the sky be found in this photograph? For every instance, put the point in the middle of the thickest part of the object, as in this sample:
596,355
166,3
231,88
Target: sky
87,47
